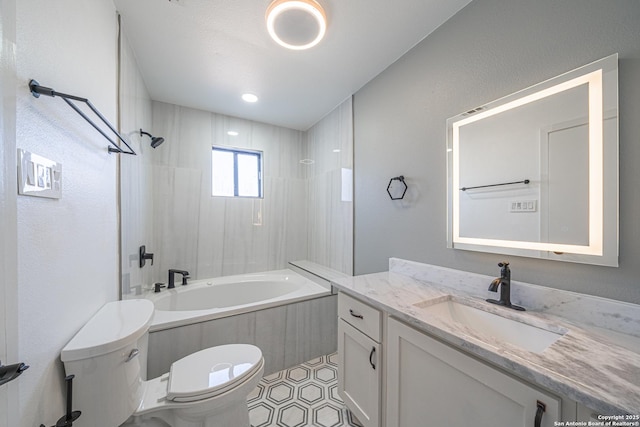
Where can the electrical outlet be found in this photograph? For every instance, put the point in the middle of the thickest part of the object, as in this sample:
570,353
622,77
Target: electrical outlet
518,206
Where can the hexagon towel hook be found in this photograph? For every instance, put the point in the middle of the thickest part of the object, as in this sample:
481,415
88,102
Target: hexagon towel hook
397,189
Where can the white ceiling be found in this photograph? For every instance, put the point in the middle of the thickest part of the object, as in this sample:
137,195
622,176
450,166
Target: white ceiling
206,53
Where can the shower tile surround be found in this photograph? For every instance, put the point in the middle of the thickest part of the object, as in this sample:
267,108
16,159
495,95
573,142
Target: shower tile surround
219,236
167,202
136,202
329,210
595,363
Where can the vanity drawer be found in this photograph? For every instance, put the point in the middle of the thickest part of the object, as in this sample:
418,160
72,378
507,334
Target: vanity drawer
360,315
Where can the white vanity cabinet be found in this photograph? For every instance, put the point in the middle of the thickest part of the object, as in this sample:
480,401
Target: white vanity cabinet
359,359
431,383
586,414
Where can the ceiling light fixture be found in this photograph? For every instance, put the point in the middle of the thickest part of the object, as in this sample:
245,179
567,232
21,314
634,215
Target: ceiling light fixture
232,133
296,24
249,97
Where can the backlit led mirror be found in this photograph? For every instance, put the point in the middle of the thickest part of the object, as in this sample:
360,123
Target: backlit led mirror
536,173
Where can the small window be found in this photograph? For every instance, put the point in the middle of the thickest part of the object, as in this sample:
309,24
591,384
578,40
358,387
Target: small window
236,172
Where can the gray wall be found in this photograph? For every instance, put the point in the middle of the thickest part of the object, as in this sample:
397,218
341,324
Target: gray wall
488,50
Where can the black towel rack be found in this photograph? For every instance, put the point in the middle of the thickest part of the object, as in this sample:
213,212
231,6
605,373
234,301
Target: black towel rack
37,90
526,181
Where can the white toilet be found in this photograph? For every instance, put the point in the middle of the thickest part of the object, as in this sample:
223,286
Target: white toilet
108,357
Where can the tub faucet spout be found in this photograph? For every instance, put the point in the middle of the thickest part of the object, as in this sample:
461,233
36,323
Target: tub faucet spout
172,273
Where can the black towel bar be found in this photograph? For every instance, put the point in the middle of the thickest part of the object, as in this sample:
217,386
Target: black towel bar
37,90
526,181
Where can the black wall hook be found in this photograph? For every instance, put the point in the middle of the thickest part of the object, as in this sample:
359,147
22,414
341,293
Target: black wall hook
396,188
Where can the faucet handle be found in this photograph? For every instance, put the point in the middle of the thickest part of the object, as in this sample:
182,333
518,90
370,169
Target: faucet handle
143,256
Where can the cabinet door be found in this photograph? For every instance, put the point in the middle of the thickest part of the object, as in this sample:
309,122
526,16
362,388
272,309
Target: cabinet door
586,414
359,375
432,384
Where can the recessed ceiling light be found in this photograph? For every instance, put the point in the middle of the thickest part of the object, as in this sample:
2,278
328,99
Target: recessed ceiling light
336,150
296,24
232,133
249,97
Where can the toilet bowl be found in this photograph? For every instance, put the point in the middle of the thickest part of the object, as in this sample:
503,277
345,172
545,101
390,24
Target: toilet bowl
108,358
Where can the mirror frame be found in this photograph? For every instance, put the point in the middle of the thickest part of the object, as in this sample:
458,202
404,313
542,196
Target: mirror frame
602,247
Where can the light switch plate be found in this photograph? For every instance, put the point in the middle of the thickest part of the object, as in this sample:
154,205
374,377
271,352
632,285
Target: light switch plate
523,206
38,176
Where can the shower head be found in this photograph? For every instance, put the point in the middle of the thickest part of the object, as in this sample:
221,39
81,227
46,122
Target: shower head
155,140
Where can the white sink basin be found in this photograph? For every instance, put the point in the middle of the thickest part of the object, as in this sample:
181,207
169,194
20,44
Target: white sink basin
483,323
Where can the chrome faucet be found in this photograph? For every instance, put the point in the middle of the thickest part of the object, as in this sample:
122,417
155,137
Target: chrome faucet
505,289
172,273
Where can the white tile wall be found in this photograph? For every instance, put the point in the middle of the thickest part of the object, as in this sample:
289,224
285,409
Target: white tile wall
135,201
330,227
216,236
166,200
167,203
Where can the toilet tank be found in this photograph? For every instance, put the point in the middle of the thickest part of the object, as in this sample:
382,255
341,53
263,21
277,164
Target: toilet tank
108,357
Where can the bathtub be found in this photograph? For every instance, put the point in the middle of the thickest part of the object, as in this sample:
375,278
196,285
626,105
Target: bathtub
209,299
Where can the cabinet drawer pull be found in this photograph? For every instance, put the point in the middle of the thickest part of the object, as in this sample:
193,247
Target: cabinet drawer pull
541,408
354,314
373,351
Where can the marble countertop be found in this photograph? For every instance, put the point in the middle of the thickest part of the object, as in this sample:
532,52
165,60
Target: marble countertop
584,366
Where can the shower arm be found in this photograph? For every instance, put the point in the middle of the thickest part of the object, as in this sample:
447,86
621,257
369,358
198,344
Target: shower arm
37,90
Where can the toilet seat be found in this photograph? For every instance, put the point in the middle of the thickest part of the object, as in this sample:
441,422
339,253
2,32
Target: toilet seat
212,371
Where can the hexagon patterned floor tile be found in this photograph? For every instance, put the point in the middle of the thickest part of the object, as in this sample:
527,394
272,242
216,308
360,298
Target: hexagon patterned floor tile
305,395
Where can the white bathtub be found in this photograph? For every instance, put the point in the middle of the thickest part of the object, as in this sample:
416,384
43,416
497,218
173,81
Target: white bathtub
208,299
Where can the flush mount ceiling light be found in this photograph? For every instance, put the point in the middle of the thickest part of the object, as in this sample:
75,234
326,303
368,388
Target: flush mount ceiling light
296,24
249,97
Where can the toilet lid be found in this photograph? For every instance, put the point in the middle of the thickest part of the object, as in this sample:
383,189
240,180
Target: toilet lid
212,371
